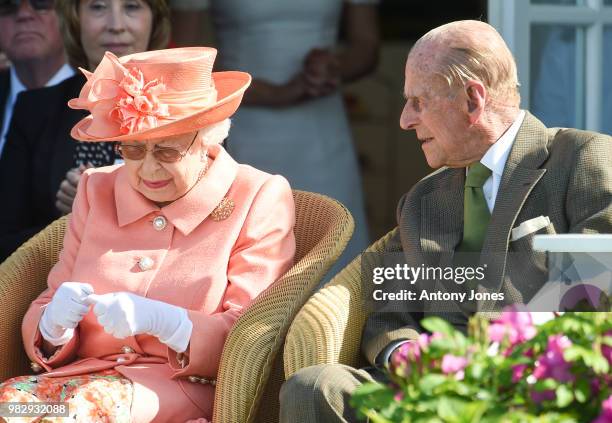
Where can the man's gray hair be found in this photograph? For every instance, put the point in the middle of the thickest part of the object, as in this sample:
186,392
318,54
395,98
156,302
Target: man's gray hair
472,50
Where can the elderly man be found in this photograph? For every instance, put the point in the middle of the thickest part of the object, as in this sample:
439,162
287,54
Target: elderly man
499,167
31,40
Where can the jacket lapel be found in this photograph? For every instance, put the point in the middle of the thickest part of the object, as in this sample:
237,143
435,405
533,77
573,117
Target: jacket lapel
521,173
442,213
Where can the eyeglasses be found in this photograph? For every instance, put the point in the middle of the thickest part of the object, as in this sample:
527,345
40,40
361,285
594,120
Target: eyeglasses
10,7
161,154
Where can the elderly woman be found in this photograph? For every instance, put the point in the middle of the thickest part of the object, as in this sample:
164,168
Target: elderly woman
41,164
162,253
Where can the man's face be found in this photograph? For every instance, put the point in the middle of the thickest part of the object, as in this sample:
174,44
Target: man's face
29,34
438,115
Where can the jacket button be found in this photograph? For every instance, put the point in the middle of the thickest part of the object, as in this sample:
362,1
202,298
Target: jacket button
145,263
126,350
159,223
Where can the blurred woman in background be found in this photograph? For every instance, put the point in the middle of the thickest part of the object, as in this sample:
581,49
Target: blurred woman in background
41,164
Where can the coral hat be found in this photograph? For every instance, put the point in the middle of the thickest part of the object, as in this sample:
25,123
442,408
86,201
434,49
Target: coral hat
156,94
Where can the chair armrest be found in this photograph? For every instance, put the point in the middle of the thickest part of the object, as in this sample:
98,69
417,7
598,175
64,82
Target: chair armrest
328,329
23,276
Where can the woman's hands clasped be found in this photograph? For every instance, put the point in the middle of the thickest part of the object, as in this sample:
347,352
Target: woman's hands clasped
121,314
67,308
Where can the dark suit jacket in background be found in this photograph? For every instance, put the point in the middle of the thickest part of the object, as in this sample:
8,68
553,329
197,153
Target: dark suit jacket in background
37,154
565,174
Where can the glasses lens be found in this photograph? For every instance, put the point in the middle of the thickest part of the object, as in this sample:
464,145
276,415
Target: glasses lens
132,152
42,4
167,155
8,7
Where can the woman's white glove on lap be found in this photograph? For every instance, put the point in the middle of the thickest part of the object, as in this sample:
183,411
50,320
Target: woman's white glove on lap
67,308
124,314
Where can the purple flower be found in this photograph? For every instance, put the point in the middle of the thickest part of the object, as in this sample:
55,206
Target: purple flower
452,364
551,364
547,395
606,412
405,357
516,325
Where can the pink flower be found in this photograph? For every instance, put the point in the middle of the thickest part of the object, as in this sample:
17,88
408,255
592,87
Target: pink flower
552,364
606,412
515,325
454,364
138,107
518,372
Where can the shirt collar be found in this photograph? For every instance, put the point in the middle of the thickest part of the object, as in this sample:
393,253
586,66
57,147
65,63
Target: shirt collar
496,156
189,211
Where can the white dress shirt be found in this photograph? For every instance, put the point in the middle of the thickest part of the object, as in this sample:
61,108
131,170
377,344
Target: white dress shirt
16,87
495,159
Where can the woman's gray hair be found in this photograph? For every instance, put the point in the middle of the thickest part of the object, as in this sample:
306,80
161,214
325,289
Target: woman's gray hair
216,132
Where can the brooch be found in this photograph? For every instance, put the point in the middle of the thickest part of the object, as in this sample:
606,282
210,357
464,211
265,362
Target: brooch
223,210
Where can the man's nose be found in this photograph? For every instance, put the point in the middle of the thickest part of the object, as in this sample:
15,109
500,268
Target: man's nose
408,119
25,11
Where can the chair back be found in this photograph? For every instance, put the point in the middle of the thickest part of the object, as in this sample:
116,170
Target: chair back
251,370
327,330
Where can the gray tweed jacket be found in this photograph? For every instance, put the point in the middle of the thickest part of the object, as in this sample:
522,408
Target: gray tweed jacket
565,174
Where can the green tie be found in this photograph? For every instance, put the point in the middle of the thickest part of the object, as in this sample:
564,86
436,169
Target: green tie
476,214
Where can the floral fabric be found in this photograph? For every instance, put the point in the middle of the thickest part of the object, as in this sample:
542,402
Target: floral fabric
101,397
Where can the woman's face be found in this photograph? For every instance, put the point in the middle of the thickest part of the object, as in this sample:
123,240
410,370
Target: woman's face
120,26
163,182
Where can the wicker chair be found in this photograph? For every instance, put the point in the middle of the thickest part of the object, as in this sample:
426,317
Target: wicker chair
327,330
251,369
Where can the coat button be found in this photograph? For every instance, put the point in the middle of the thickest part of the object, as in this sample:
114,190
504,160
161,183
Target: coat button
35,367
159,223
145,263
193,379
126,350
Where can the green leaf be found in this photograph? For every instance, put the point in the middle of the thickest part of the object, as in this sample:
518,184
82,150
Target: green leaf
582,391
454,410
565,396
436,324
429,382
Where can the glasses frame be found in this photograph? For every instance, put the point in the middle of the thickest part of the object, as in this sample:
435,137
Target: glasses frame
118,150
10,7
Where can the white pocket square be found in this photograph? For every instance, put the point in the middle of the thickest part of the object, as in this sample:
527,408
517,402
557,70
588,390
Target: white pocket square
529,226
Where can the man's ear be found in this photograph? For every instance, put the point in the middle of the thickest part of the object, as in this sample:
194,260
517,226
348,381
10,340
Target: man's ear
476,96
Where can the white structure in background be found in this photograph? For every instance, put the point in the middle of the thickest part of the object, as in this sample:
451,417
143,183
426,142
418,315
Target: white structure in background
564,56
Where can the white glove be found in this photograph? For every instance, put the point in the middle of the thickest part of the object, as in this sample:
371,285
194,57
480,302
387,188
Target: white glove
67,308
125,314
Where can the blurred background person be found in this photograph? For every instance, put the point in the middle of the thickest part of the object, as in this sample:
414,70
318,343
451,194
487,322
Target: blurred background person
293,121
42,164
31,53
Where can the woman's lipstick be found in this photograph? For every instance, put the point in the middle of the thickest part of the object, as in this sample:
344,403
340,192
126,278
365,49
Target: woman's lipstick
156,184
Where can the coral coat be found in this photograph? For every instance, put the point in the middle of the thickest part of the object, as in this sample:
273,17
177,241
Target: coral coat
211,267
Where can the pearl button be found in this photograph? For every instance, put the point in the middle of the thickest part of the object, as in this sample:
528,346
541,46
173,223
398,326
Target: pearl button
126,350
194,379
145,263
159,223
121,359
35,367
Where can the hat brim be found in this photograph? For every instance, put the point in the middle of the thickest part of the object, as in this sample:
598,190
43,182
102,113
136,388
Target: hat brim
230,88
